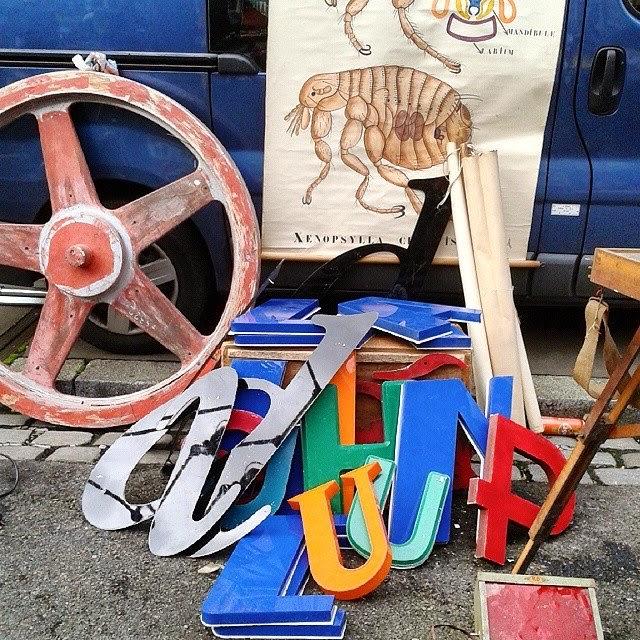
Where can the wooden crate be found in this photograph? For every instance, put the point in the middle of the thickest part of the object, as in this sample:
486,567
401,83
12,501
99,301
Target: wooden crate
380,352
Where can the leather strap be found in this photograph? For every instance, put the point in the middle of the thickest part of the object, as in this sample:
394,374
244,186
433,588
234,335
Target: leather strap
596,316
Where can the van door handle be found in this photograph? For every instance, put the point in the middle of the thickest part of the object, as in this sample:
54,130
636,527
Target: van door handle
607,80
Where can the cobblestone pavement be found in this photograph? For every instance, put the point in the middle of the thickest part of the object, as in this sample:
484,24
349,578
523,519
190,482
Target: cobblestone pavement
617,463
61,578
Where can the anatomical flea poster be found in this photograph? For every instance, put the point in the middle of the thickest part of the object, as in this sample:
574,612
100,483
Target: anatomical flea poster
364,95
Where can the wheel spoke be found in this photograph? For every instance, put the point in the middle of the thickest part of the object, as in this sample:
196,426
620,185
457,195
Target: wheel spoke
116,322
147,307
19,246
60,322
159,271
66,168
152,216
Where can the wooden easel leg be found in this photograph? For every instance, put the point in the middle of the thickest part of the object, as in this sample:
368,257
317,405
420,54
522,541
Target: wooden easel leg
594,434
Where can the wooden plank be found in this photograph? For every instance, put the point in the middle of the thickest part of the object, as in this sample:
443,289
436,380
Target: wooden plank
626,431
378,349
381,258
617,269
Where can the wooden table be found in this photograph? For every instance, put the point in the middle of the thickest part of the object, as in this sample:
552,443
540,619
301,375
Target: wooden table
617,269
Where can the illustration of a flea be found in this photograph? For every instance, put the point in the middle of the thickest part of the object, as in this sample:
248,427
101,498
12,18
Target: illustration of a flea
406,117
354,7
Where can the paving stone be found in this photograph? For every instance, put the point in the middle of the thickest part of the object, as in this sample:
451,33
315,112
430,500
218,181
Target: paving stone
538,475
12,419
516,474
103,378
66,377
22,453
621,444
564,443
75,454
14,436
107,439
618,477
561,396
165,441
603,459
63,439
631,459
86,351
39,425
154,457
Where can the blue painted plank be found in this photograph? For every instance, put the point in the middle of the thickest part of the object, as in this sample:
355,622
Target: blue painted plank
277,340
277,310
442,311
397,320
248,590
500,396
426,442
334,629
457,339
283,327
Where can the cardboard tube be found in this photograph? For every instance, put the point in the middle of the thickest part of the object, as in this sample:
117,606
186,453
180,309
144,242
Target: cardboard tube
495,292
531,406
490,182
482,371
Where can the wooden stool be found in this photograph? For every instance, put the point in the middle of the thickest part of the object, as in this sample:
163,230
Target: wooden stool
617,269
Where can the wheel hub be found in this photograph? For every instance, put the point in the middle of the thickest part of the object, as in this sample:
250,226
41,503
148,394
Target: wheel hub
82,252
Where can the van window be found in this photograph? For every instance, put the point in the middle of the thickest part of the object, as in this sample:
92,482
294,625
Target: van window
239,26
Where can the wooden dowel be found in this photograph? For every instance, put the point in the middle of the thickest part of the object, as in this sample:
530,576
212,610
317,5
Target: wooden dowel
386,258
481,358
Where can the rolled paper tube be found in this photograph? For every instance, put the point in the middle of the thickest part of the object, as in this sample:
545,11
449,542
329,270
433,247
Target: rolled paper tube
490,181
482,371
495,294
531,406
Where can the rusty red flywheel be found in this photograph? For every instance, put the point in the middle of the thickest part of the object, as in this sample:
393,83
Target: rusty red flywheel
88,253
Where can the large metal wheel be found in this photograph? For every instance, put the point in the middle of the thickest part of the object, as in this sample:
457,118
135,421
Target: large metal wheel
88,253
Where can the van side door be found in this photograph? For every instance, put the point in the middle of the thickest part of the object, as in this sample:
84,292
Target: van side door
608,117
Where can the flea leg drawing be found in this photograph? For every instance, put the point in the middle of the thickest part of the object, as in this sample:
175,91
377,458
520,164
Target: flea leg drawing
410,31
354,7
374,144
320,128
356,112
405,115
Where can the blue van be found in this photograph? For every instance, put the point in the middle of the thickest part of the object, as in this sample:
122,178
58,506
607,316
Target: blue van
210,56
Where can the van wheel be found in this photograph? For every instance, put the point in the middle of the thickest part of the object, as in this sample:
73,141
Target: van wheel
179,264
